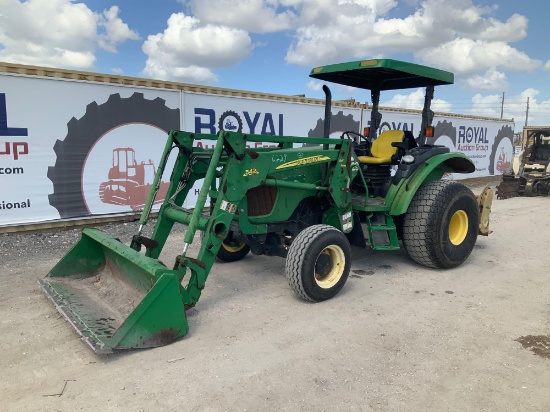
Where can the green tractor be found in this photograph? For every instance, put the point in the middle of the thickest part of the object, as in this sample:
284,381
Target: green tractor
307,199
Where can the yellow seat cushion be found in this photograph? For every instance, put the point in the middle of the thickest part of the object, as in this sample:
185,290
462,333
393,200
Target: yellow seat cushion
381,149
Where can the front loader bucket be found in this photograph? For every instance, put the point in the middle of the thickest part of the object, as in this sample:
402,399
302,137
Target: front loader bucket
116,297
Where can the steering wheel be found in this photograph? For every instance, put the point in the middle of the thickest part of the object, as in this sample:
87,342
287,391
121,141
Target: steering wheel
362,147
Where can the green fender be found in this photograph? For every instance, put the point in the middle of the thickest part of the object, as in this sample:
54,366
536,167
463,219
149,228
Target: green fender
400,196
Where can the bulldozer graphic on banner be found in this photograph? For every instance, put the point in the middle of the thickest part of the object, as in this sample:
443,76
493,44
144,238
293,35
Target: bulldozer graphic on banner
129,181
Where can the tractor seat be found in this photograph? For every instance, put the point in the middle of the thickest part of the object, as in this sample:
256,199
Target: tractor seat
382,150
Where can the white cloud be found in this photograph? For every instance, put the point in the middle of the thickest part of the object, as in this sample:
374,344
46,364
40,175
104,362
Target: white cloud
263,16
452,34
486,105
325,13
187,50
314,85
466,56
336,30
57,32
514,29
515,107
341,90
539,111
415,100
490,80
456,35
547,65
116,31
346,89
259,16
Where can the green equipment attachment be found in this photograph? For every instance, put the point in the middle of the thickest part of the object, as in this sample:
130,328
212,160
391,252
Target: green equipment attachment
115,297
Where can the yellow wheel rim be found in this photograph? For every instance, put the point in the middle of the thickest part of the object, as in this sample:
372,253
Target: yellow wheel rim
329,266
234,247
458,227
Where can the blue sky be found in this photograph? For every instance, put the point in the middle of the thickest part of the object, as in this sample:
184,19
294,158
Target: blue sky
271,45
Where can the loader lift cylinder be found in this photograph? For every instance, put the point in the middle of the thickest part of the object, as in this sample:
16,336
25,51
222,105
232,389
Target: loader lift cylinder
203,194
153,193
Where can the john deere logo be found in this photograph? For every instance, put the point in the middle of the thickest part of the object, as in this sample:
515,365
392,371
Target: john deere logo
304,161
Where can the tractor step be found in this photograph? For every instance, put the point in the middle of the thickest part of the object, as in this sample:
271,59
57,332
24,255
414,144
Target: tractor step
381,232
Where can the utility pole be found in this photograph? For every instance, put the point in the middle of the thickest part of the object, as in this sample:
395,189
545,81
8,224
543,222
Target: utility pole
502,106
527,113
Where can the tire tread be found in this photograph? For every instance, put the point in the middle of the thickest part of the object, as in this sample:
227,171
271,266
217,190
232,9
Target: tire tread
294,259
420,229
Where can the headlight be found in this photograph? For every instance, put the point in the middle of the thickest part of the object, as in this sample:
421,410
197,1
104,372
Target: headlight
407,159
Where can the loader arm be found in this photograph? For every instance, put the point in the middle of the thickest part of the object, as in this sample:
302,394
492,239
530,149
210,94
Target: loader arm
242,170
119,298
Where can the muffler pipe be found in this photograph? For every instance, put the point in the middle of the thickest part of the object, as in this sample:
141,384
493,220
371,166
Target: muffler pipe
326,130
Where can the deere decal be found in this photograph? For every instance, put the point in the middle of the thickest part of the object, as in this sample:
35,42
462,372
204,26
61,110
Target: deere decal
304,161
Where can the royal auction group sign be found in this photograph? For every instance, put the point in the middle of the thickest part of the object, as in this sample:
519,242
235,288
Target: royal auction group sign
72,149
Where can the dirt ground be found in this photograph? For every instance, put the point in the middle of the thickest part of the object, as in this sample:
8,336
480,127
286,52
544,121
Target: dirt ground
399,337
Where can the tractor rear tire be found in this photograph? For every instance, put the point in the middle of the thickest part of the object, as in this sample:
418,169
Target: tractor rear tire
318,263
440,228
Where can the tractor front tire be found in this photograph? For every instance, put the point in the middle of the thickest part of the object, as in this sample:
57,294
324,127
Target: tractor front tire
440,228
318,263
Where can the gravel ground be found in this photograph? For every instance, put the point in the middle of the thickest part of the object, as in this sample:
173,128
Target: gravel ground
398,337
18,246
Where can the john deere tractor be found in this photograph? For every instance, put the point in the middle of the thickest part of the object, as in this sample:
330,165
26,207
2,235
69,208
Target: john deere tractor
306,199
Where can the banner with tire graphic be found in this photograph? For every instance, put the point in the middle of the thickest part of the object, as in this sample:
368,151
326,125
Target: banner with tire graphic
90,149
73,149
489,143
110,152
